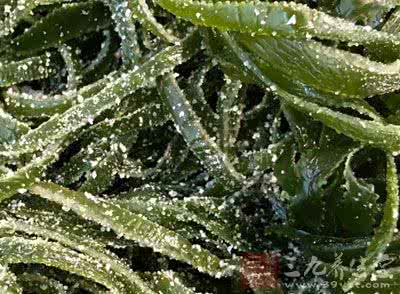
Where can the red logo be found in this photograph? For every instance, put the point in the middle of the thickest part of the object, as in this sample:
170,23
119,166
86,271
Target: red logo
259,270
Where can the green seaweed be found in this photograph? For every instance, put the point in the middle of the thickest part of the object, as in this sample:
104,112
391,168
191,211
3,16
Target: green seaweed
145,146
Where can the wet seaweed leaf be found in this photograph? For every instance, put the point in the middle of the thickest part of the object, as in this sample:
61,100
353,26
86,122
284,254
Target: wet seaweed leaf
29,69
358,207
282,19
133,226
325,69
10,128
45,284
230,109
386,136
385,231
8,282
196,137
67,237
84,113
142,12
18,249
57,27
